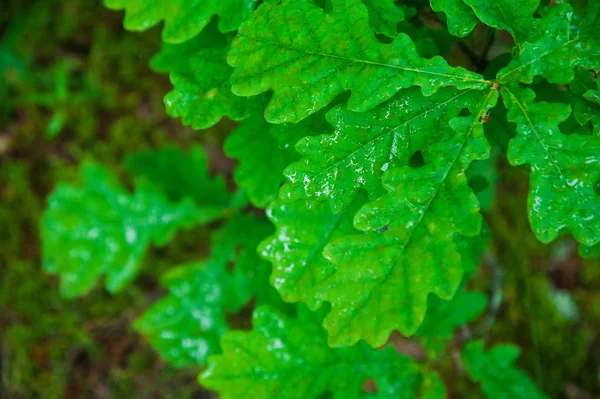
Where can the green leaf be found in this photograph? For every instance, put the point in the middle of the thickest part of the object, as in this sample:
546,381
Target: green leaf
186,326
592,111
497,373
101,229
308,57
384,16
183,19
200,75
587,99
265,150
483,177
443,317
289,358
364,145
202,97
514,16
553,49
295,250
588,40
410,245
460,19
180,175
564,168
176,57
589,252
236,243
260,170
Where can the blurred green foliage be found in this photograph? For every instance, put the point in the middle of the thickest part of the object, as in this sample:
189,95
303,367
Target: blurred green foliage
75,86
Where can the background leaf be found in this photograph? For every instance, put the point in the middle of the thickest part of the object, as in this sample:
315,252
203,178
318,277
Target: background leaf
186,326
496,372
179,25
180,174
101,229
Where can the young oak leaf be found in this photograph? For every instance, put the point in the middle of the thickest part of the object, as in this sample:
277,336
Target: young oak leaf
384,16
176,57
304,55
265,150
514,16
102,229
564,168
180,175
443,317
295,250
409,247
260,170
496,372
289,358
201,93
554,47
181,25
235,243
366,144
186,326
460,19
586,106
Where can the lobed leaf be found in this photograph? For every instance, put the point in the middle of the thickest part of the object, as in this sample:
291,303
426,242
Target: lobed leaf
264,151
384,16
554,48
289,358
179,175
308,57
235,243
186,326
364,145
411,241
295,250
564,168
514,16
175,57
202,95
496,372
183,19
101,229
460,19
443,317
587,99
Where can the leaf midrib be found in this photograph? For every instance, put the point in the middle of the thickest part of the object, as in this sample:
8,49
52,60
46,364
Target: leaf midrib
358,60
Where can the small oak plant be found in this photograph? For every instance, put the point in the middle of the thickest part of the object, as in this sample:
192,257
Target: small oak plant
361,142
